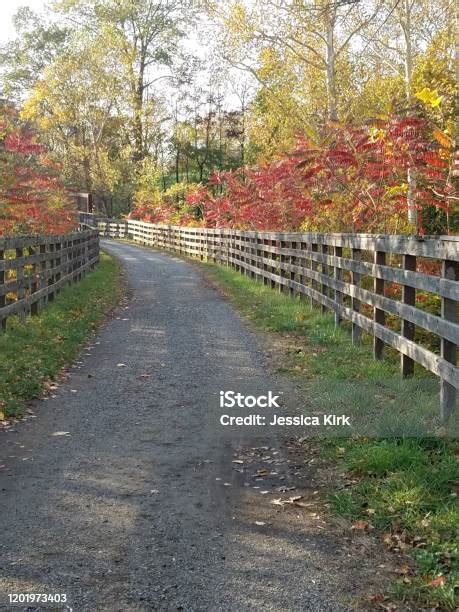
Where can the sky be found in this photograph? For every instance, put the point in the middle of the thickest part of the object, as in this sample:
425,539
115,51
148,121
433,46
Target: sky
7,10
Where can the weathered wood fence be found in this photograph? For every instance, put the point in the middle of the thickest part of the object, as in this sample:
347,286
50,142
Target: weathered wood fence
34,268
348,274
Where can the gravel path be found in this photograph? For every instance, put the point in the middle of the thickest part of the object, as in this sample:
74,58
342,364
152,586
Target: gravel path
140,505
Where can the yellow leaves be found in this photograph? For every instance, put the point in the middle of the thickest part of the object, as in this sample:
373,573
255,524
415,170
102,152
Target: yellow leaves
237,16
441,137
430,97
397,190
376,134
238,24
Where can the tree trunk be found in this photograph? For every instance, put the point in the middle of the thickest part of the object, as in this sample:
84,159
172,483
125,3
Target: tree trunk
330,70
139,152
177,165
405,23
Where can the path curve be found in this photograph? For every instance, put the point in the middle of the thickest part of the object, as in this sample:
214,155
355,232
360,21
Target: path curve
130,510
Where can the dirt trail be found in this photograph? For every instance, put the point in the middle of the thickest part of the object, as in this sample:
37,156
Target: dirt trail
137,503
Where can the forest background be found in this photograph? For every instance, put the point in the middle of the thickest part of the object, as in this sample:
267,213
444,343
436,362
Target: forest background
327,115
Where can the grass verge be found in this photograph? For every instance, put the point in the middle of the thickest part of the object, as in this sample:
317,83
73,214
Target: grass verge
400,479
33,353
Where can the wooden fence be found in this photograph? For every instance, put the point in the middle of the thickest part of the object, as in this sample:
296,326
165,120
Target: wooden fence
370,280
33,269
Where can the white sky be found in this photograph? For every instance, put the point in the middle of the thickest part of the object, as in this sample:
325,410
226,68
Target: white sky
7,10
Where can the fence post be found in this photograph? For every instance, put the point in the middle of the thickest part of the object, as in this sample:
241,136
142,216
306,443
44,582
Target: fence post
257,253
282,272
324,288
33,284
20,293
293,262
2,294
301,262
355,280
448,349
236,252
408,328
338,252
314,267
378,314
273,268
253,253
265,265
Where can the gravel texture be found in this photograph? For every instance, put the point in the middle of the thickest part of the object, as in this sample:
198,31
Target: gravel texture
140,506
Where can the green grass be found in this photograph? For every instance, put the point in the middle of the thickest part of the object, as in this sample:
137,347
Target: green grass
404,490
400,475
33,353
341,378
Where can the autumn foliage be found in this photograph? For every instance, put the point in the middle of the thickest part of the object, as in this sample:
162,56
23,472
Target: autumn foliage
32,198
352,178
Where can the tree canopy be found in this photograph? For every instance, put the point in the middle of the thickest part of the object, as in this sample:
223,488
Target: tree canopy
178,111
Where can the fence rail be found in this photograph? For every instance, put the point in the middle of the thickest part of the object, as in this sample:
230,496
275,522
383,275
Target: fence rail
33,269
348,274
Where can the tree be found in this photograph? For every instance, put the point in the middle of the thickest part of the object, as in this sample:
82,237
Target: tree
409,25
32,198
145,35
312,34
79,108
23,60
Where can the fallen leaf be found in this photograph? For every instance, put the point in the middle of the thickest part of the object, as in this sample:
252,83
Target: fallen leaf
404,569
262,472
376,597
387,539
361,526
437,582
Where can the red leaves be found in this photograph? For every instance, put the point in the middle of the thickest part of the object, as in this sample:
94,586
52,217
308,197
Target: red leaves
22,144
32,199
353,179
